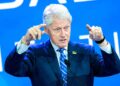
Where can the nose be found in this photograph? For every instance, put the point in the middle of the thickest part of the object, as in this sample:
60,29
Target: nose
63,33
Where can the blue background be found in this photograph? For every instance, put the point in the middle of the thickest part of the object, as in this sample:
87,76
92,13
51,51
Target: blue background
15,22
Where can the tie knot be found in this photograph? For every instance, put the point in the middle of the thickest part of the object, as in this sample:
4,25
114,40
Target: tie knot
61,50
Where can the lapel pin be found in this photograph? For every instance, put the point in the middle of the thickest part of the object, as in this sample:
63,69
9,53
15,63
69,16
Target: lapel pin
74,52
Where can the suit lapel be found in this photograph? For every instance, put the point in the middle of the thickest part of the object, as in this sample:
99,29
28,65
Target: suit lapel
78,60
74,59
52,60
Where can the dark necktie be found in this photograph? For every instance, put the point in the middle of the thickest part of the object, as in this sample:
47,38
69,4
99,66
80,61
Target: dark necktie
63,66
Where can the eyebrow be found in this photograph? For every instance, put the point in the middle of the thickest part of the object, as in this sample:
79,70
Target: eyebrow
62,27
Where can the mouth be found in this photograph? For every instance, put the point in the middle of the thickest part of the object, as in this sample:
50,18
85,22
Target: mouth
63,40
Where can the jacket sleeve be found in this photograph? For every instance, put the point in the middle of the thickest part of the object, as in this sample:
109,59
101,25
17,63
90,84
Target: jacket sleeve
19,64
105,65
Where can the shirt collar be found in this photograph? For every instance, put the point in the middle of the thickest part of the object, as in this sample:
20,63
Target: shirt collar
56,47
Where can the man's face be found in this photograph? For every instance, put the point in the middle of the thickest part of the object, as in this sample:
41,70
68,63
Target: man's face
59,32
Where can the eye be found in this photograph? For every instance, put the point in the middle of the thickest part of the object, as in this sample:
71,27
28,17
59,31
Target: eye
57,29
66,27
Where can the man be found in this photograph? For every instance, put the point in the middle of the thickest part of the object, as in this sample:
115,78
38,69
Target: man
60,62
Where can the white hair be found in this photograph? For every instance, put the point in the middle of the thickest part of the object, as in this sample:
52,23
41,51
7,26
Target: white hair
55,10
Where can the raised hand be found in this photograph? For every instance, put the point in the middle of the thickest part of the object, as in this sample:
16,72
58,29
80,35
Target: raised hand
33,33
95,32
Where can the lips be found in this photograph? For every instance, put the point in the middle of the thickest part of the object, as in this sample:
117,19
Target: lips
63,40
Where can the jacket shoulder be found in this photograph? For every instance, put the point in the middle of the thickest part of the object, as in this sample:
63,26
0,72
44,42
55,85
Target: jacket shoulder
81,46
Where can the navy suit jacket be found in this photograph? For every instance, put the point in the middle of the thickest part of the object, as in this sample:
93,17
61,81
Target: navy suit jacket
40,64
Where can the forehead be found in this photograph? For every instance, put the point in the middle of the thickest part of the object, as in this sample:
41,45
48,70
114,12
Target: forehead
57,22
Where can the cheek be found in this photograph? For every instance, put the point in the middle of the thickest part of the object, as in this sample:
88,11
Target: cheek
54,38
68,34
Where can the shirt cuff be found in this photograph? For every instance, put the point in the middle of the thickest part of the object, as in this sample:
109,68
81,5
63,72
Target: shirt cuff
21,47
105,46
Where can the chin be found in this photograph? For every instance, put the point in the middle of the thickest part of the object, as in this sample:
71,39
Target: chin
62,45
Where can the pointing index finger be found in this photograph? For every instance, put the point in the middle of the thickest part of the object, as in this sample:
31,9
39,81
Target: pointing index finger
88,27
